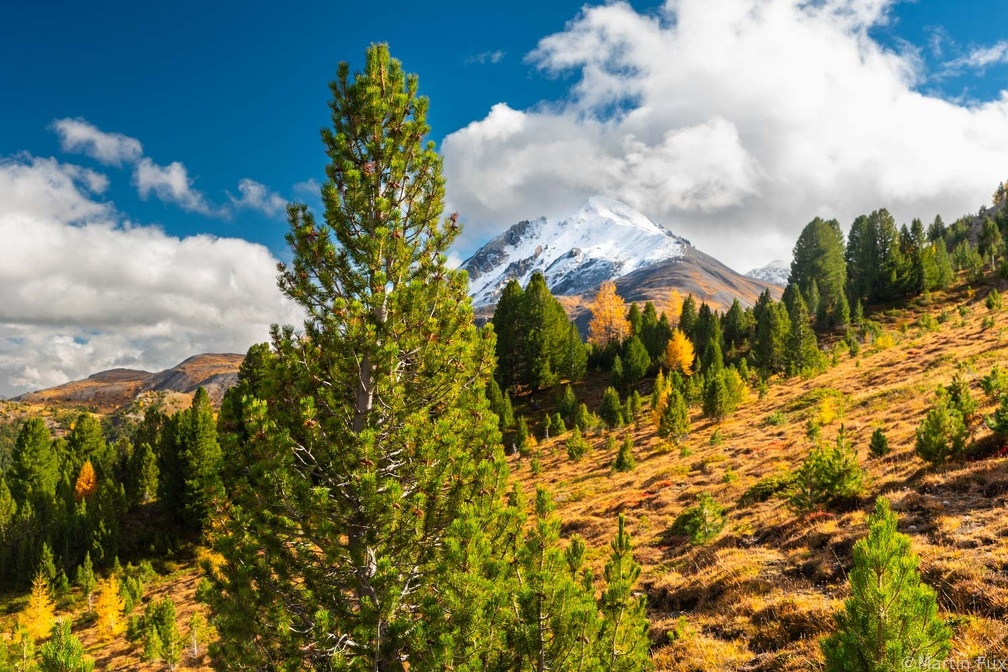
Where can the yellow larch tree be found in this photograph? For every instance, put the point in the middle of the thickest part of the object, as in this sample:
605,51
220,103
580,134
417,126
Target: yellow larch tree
609,323
38,616
87,482
109,608
679,353
674,307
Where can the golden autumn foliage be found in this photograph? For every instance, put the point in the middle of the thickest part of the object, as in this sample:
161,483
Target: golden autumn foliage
109,608
38,616
609,323
674,307
679,353
87,482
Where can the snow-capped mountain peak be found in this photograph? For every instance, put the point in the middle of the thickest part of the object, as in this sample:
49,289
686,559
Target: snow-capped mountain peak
605,239
777,272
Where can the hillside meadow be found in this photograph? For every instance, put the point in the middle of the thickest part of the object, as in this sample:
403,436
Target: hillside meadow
762,592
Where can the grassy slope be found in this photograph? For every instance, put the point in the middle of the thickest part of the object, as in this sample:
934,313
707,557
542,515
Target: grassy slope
761,594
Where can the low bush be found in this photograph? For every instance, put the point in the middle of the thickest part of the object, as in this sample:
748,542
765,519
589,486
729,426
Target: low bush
778,484
624,458
829,474
701,523
993,300
942,433
577,446
879,444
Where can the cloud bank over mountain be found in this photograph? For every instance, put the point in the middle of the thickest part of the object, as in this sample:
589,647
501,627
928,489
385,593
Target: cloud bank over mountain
733,122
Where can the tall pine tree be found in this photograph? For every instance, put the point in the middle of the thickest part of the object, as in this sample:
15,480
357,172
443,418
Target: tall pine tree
35,467
377,453
509,325
818,268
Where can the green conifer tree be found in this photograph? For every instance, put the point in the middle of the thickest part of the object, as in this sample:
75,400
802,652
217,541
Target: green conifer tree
942,433
511,328
144,474
802,354
611,409
673,423
989,242
635,318
827,475
890,621
773,328
200,455
998,420
557,624
163,631
559,427
567,406
636,404
47,564
377,450
521,437
151,645
34,470
655,332
616,374
637,361
577,445
63,652
879,444
624,458
86,441
688,315
736,326
500,403
716,400
86,580
623,637
818,269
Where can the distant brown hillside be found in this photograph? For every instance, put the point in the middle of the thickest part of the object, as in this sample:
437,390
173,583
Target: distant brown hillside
111,390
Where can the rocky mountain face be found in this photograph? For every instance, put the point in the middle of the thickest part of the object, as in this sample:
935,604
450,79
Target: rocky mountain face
604,240
776,272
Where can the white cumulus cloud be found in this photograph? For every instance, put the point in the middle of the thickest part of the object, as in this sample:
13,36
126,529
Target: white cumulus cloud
83,290
77,135
732,122
171,184
257,196
980,58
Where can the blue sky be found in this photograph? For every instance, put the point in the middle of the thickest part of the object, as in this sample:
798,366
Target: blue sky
238,90
151,146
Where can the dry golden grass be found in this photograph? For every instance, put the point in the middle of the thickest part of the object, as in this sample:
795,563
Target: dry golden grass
763,592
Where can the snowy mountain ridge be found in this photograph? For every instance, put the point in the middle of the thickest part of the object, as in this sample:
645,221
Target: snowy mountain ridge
604,240
777,272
